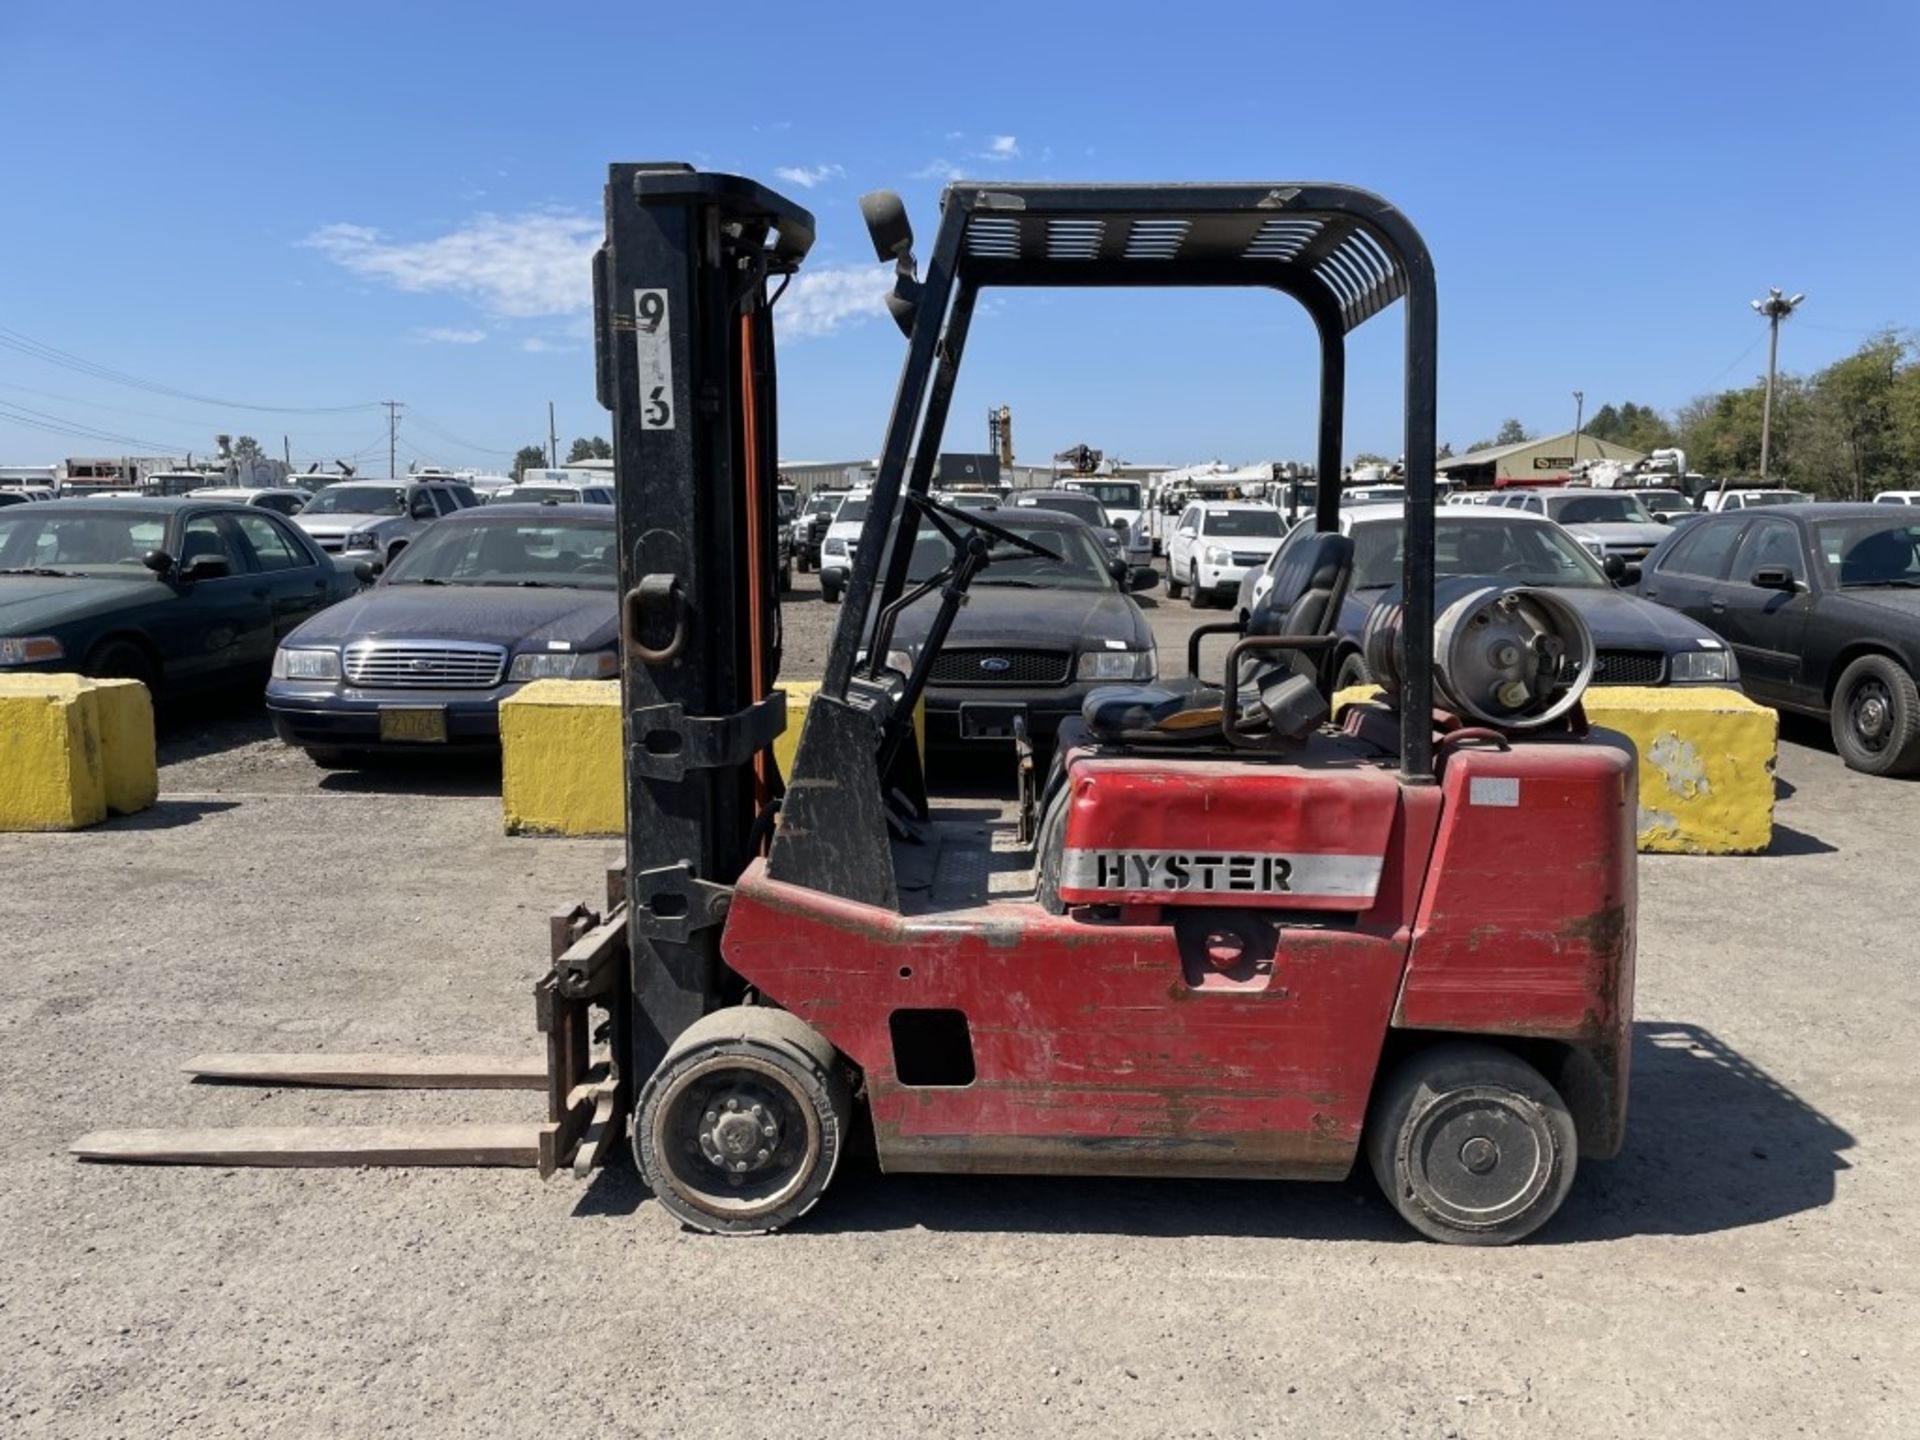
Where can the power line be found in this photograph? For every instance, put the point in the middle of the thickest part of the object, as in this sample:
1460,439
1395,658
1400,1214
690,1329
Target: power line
40,350
425,424
60,425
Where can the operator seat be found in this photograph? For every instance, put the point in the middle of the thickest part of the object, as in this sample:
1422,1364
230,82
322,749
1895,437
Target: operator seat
1286,697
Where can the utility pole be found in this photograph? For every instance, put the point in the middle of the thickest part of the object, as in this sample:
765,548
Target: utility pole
1776,307
393,434
286,451
553,440
1579,411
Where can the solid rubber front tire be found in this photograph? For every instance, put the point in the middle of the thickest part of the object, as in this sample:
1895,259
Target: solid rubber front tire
724,1068
1353,671
1876,717
1471,1144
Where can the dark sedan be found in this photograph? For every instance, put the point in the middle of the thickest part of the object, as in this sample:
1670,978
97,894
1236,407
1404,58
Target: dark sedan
481,603
1822,605
1636,643
1035,634
181,595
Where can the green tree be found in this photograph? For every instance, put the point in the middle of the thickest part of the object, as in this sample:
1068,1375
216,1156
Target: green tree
247,449
1639,427
1367,457
1512,432
529,457
594,449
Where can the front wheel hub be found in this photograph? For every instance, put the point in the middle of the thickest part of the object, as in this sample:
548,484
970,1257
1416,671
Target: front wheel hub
738,1134
1872,715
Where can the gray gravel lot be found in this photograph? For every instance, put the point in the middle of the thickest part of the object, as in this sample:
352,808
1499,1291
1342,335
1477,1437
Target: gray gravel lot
1746,1268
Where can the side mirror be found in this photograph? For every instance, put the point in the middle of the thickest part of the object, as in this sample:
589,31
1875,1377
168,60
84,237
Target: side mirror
158,561
1144,578
1120,570
422,509
205,567
368,571
1775,577
1189,532
1616,568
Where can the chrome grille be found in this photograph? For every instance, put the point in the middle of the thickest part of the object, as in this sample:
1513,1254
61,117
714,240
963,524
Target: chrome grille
982,666
424,664
1244,558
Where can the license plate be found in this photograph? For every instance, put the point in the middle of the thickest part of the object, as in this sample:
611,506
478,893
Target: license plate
989,722
425,725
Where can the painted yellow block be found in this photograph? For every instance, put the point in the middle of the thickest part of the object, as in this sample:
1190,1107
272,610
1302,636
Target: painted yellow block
52,775
560,761
1706,763
132,776
560,757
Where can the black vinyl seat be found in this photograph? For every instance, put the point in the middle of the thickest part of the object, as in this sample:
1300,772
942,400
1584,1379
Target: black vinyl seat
1286,698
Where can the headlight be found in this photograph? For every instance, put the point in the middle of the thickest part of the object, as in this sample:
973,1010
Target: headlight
1703,667
1215,555
835,547
361,540
1116,665
1596,548
564,665
29,649
306,664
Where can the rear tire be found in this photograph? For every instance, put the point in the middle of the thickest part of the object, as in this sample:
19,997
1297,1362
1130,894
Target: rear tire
830,594
740,1129
1876,717
786,578
1196,597
1353,671
1471,1144
121,660
1174,587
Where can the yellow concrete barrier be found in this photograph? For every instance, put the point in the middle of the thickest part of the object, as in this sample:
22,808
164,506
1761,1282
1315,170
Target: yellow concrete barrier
72,750
560,761
560,769
1706,763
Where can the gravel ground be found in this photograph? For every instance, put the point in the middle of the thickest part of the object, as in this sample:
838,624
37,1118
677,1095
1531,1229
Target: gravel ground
1746,1268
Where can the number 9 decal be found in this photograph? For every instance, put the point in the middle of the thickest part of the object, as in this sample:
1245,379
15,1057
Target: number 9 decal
653,346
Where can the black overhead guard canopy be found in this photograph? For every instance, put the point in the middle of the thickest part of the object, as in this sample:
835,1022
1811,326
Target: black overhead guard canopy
1343,253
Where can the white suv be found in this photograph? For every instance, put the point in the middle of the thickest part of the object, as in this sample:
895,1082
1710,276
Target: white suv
1215,542
841,545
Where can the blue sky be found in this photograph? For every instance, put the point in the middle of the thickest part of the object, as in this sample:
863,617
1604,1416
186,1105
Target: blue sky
328,205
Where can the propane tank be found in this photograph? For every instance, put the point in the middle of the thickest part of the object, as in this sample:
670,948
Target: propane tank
1515,657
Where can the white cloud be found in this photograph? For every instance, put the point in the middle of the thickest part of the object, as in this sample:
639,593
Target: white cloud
806,177
449,335
820,302
939,170
517,265
535,345
1002,147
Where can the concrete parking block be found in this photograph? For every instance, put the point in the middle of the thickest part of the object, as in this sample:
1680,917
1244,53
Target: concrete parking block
1706,763
131,777
52,772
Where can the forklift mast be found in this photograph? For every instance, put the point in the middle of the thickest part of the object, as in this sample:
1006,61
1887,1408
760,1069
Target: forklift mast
684,288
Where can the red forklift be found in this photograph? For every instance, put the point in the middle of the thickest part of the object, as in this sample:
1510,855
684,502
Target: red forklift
1227,934
1245,942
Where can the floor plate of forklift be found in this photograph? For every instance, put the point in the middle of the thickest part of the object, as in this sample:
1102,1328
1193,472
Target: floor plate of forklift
965,863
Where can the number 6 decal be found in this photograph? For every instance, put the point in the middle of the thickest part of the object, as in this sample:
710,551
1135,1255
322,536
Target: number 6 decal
653,343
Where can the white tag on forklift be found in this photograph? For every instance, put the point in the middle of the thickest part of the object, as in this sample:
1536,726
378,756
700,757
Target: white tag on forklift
653,342
1501,791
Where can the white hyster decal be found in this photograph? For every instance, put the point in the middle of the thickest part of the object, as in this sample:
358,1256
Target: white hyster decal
1220,872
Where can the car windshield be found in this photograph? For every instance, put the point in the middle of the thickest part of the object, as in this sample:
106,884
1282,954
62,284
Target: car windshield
1258,523
1081,507
1664,500
1118,494
359,500
578,554
1598,510
850,511
81,542
823,504
534,494
1776,497
1864,552
1082,564
1530,553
